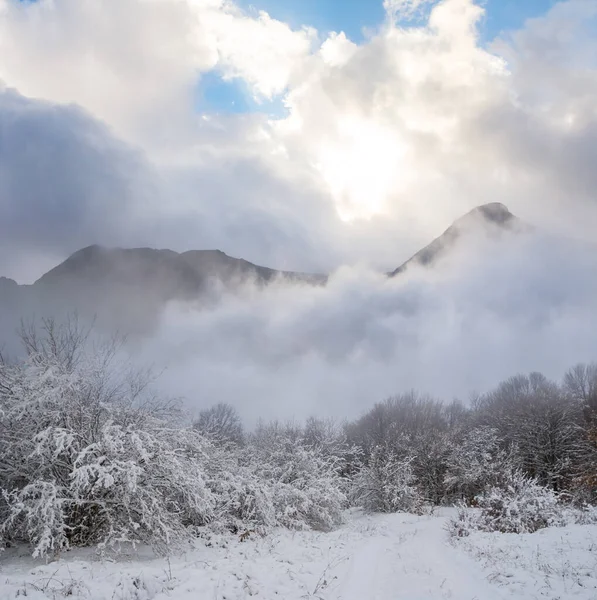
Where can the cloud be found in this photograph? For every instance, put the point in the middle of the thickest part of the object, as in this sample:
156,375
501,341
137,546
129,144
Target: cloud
135,63
65,182
260,50
496,307
384,144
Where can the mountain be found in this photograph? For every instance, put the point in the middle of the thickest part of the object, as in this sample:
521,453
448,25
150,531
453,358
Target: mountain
127,289
492,219
165,273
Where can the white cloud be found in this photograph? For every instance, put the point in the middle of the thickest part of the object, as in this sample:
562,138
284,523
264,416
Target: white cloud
416,124
262,51
495,308
123,61
135,63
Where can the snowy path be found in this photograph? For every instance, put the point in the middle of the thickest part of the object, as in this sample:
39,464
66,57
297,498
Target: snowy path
383,557
412,561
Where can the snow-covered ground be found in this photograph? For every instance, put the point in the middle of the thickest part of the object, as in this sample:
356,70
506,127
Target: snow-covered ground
382,557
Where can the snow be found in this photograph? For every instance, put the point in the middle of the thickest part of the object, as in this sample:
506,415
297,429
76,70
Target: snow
371,557
558,563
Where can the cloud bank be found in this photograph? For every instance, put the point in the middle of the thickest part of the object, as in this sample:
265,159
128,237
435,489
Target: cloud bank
383,143
492,309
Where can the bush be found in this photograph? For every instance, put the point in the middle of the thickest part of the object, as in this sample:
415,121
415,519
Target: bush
307,489
386,484
88,458
518,505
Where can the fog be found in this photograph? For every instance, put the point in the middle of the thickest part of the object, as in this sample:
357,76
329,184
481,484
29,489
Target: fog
494,308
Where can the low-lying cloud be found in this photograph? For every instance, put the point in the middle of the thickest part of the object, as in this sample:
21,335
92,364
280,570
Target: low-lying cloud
493,309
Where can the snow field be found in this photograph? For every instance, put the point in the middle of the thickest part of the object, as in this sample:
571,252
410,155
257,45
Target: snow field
379,557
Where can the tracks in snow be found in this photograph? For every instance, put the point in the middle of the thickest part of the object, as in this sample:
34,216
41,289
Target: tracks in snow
408,558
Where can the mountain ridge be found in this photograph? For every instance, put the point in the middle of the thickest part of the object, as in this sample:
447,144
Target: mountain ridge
127,288
194,264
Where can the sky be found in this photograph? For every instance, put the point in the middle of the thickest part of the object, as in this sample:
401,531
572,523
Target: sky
359,20
324,137
298,135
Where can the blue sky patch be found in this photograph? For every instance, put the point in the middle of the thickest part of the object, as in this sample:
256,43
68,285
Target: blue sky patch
218,95
356,18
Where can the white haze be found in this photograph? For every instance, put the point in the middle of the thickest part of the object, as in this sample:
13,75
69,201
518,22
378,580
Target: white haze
493,309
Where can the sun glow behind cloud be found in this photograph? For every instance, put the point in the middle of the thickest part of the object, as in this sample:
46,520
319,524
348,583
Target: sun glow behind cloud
363,165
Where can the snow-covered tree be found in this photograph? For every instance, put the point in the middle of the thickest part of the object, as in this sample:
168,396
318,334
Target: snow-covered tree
475,462
544,425
221,422
387,484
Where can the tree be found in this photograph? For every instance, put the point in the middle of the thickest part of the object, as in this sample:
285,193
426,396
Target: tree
386,484
221,422
477,460
580,383
543,424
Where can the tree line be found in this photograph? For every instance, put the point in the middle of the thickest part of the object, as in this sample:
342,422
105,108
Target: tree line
91,455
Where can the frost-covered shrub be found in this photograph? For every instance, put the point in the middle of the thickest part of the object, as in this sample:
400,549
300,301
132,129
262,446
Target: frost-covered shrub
465,521
387,484
586,515
518,505
129,485
474,463
242,499
89,458
307,490
276,480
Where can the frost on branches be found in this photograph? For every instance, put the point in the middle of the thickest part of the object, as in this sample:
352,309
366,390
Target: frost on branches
387,484
87,455
475,462
276,481
306,486
90,457
519,504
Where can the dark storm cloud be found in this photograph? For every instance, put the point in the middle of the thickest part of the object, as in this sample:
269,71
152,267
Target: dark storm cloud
65,181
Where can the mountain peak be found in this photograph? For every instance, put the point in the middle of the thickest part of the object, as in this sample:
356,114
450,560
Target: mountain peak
493,215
